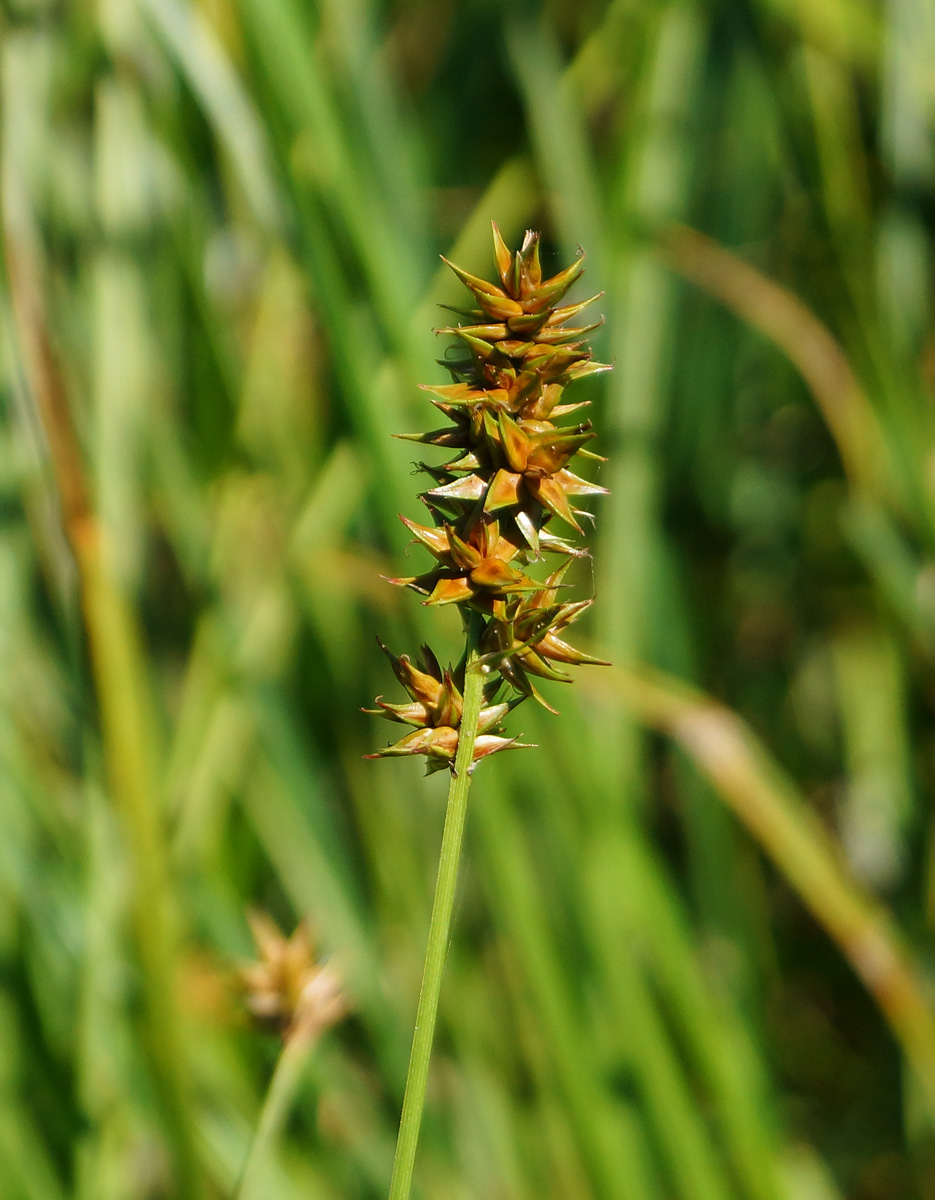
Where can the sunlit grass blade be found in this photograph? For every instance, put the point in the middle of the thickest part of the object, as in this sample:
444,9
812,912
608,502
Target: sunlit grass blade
768,805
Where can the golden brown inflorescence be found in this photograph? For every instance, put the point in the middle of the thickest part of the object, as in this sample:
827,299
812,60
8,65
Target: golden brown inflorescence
493,501
288,988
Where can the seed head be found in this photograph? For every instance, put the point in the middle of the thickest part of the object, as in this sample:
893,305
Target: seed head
492,502
287,988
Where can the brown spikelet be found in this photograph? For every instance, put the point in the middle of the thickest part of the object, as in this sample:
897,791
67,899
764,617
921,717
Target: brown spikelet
287,988
492,502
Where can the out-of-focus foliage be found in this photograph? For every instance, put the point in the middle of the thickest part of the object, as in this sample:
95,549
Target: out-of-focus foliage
678,968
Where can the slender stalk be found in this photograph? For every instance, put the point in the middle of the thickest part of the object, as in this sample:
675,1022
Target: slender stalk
442,906
283,1085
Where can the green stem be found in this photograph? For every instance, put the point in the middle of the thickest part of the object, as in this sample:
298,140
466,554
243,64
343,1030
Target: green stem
442,906
283,1085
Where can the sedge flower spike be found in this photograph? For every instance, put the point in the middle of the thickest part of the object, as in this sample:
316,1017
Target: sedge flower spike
288,988
503,497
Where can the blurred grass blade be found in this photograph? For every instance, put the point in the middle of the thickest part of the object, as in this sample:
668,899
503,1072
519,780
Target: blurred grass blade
560,137
201,59
714,1036
878,802
725,751
650,178
784,319
117,661
515,900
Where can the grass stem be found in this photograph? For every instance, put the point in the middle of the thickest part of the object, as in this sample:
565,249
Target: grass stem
280,1095
442,906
